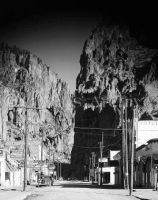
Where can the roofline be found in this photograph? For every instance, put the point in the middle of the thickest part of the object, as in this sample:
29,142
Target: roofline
152,140
141,147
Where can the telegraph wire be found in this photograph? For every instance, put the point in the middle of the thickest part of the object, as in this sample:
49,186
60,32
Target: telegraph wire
113,144
90,147
92,133
103,129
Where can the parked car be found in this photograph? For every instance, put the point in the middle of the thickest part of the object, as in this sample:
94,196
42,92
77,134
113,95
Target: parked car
44,180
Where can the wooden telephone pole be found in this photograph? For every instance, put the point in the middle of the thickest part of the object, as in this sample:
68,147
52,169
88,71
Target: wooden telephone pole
123,144
126,146
93,166
101,158
132,156
133,134
25,147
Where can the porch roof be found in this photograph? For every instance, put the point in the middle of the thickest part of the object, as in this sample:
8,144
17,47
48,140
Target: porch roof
11,167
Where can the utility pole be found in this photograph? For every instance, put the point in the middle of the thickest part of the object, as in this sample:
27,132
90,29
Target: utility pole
60,169
90,168
132,151
126,144
25,156
100,163
53,164
101,158
156,178
42,151
93,166
123,144
49,158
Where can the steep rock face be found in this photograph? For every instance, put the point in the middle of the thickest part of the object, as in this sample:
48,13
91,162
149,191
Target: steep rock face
27,82
113,67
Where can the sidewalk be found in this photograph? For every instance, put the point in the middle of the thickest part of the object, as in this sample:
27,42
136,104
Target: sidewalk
14,193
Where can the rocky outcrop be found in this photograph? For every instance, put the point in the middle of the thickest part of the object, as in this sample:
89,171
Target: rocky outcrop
25,82
114,66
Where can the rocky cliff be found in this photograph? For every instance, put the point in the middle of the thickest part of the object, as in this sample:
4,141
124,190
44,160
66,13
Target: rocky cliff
114,66
29,88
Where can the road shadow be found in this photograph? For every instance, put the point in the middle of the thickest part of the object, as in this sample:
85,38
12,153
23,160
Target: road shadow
88,185
141,198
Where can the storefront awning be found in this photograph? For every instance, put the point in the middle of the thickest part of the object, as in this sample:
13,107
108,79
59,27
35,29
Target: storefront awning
10,167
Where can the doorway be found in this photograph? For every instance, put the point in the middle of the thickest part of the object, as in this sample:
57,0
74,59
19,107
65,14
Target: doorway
106,177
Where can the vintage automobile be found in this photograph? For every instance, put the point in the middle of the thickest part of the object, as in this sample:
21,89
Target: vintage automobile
44,180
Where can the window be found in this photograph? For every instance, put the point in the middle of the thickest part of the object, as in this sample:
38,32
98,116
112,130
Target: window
7,175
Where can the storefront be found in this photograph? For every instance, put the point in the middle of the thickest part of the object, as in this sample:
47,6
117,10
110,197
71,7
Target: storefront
12,174
146,164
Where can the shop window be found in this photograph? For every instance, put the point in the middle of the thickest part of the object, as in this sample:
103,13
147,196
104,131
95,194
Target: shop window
7,175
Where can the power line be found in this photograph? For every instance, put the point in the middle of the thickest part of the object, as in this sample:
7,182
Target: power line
92,133
103,129
86,119
113,144
107,146
88,147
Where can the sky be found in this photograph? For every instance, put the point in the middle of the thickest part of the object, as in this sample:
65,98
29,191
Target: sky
57,33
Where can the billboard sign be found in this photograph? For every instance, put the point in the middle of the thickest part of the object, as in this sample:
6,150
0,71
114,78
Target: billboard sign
103,159
147,129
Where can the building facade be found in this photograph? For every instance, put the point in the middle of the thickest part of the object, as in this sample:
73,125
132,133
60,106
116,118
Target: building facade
105,172
12,157
146,165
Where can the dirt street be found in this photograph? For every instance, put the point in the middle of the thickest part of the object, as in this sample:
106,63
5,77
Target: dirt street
75,190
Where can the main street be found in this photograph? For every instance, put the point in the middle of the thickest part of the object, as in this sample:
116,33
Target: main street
75,190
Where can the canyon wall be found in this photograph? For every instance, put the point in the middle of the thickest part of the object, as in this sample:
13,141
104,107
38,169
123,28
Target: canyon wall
30,92
114,67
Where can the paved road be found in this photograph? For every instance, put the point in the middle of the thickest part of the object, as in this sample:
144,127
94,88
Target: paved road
78,191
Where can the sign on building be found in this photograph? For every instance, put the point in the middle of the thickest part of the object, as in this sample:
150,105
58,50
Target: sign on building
113,153
21,163
103,159
147,129
16,152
